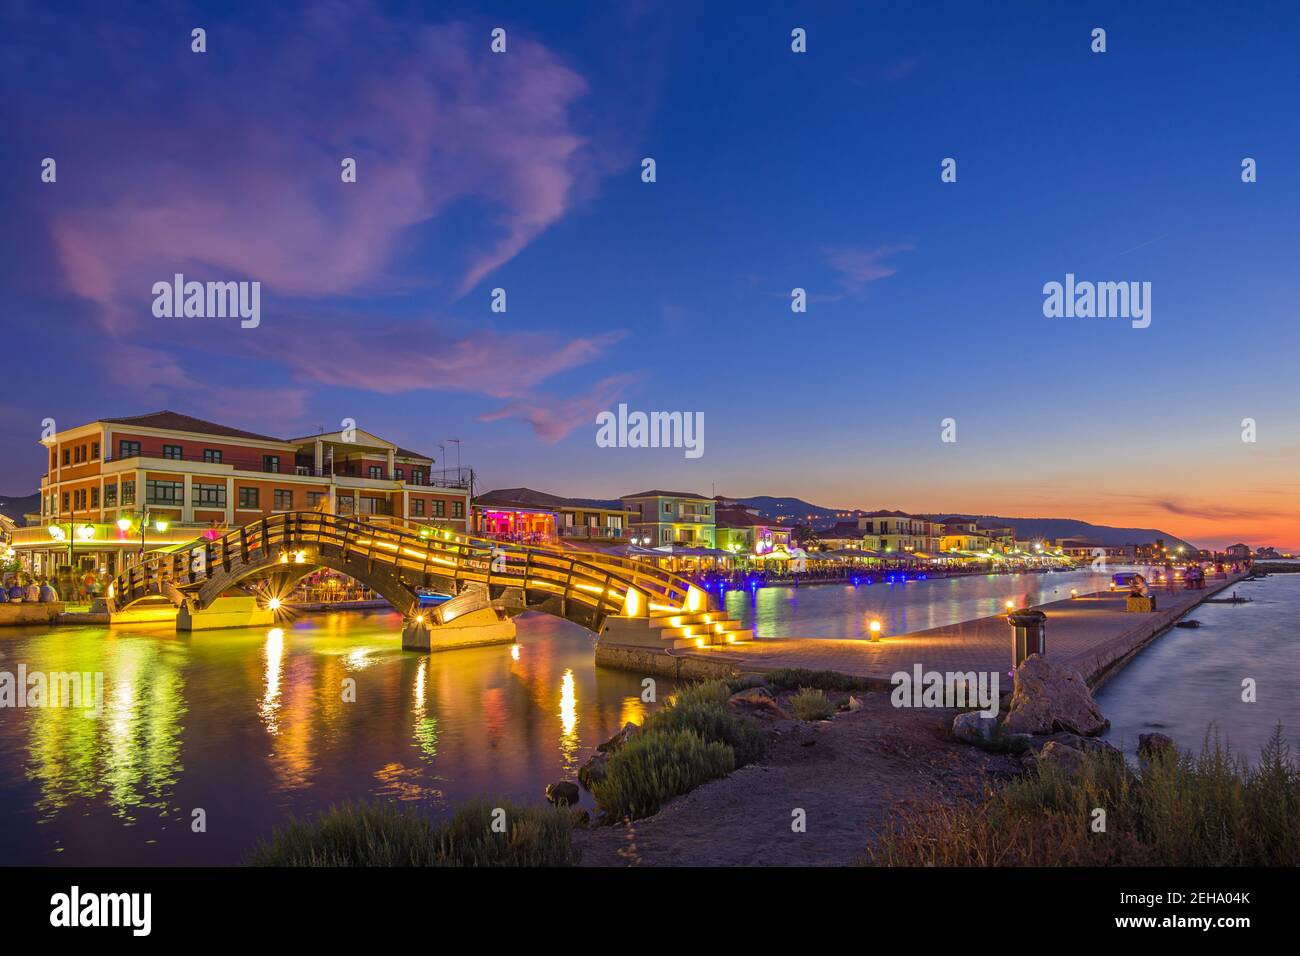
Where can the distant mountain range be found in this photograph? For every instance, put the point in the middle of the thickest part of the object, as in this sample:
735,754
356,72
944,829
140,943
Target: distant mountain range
798,511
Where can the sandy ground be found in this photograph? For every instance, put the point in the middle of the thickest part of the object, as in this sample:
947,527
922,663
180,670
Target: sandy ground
847,774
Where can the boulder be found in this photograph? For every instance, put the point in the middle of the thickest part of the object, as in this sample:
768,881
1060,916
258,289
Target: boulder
974,727
854,704
1085,744
594,770
562,794
1049,697
1156,745
756,698
1058,755
629,732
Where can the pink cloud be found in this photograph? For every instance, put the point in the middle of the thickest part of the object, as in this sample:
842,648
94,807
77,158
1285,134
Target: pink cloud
554,418
857,267
401,357
433,119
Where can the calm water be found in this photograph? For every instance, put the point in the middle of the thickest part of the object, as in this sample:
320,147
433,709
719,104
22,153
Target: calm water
846,611
251,726
1193,677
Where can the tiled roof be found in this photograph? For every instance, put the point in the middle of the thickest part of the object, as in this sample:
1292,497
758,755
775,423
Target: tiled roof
175,421
665,494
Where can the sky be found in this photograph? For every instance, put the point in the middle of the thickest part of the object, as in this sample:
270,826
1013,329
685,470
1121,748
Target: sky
775,170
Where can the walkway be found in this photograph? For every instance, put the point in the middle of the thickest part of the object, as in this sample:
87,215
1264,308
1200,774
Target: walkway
1090,633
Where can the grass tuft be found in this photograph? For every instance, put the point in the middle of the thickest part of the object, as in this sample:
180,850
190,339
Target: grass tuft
793,678
811,704
657,766
1208,810
381,834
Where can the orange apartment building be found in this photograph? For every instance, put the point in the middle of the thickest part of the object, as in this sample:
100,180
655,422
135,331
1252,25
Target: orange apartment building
174,477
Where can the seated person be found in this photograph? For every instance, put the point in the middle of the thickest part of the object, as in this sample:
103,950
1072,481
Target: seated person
16,593
47,593
31,593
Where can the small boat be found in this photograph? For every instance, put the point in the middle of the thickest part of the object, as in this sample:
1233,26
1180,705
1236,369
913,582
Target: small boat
428,596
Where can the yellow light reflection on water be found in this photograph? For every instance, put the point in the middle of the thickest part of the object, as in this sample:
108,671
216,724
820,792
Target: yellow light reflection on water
273,652
632,711
568,718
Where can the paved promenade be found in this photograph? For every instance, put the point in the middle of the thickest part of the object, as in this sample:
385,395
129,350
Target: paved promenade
1091,633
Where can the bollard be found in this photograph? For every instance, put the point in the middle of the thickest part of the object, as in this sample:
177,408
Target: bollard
1029,634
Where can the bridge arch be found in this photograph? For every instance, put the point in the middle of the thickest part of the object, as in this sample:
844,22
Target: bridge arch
394,562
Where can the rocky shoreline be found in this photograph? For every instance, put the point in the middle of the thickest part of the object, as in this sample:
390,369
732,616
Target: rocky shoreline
826,788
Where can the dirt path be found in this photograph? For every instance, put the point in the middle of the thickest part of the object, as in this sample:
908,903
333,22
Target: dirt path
848,774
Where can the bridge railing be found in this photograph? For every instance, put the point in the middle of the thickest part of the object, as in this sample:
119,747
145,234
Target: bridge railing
598,581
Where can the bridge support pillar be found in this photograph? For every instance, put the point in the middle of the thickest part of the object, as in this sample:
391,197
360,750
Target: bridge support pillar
475,629
225,612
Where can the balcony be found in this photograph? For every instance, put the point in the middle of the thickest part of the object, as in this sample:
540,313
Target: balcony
455,479
589,533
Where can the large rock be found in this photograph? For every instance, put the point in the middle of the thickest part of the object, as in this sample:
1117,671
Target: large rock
594,770
1156,745
1049,698
1085,744
1058,755
562,794
629,732
973,727
756,698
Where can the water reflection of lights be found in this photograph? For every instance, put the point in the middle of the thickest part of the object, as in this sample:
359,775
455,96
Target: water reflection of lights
632,711
514,652
425,728
269,709
568,719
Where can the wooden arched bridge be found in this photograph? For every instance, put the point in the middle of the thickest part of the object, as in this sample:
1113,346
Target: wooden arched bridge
255,567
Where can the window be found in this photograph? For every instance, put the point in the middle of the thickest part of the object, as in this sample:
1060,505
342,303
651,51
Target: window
79,454
94,497
164,492
375,471
172,451
128,492
314,498
458,509
210,496
399,473
212,456
417,476
668,508
66,502
110,496
417,507
94,451
67,456
439,508
271,463
283,499
127,449
248,499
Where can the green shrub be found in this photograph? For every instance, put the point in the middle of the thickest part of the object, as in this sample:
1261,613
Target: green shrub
378,834
1211,810
791,678
810,704
702,708
657,766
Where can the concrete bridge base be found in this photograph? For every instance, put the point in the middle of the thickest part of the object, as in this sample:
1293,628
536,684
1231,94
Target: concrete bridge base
225,612
475,629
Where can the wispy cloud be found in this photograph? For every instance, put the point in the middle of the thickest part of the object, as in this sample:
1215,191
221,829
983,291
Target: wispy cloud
857,266
554,418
